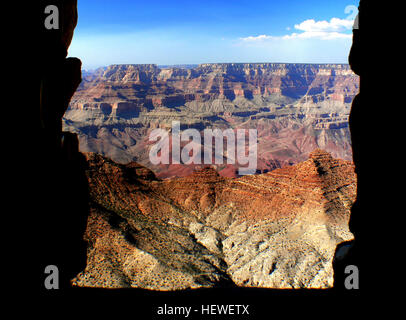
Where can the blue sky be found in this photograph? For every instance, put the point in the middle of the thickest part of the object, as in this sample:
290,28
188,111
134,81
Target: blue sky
192,32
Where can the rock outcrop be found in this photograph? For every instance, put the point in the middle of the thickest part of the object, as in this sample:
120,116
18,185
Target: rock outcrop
59,187
274,230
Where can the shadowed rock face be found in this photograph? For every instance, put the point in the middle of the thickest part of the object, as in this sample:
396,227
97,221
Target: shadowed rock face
60,190
274,230
296,108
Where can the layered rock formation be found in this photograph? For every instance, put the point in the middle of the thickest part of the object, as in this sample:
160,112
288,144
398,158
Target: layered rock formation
296,108
275,230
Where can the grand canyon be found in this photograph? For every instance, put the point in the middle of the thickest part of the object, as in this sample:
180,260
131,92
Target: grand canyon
180,226
295,108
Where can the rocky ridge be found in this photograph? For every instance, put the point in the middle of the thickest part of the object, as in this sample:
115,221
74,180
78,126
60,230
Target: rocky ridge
274,230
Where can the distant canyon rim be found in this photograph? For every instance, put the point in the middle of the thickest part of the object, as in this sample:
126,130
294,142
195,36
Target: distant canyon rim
295,108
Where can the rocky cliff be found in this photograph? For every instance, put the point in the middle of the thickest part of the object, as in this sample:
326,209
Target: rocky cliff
296,108
229,80
273,230
59,185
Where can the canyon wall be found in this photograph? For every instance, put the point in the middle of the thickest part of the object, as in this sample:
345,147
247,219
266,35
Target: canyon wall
296,108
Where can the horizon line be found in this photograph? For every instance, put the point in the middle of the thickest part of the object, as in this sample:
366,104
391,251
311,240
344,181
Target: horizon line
213,63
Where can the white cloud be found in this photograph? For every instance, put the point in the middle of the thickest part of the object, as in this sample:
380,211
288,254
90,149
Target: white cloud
335,25
322,35
259,38
324,30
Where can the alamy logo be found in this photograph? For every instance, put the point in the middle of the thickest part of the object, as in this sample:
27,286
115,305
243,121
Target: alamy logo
199,149
52,280
352,280
52,20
